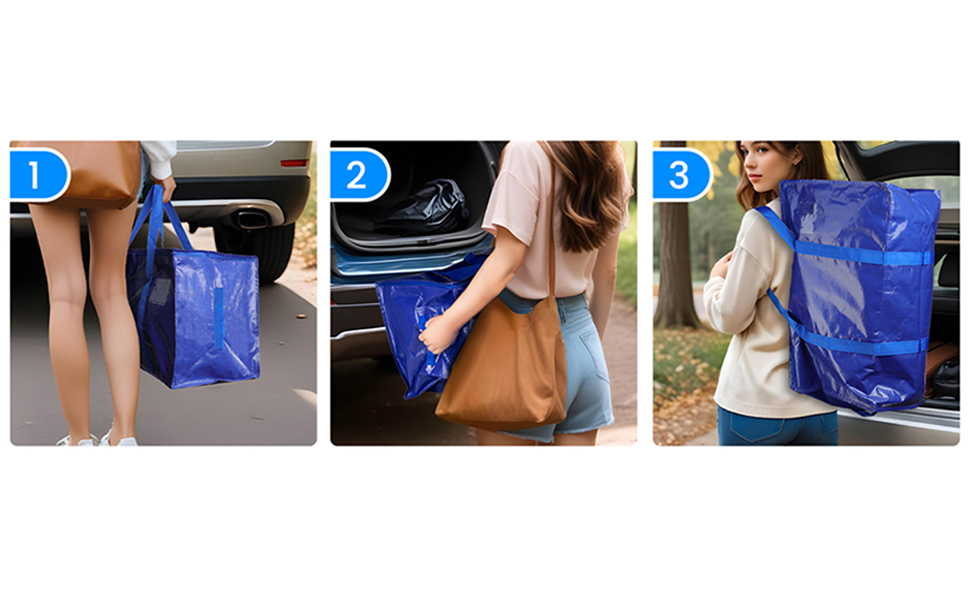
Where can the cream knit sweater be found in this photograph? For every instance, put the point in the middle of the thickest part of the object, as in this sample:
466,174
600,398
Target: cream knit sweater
754,379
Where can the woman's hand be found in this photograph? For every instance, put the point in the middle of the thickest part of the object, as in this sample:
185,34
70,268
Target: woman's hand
438,335
720,269
168,187
496,272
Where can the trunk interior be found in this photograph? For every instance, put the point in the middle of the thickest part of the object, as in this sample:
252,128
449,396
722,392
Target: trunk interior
945,323
472,165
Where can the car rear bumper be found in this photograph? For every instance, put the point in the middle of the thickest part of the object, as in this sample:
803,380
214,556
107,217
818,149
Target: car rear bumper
209,200
208,197
917,427
356,324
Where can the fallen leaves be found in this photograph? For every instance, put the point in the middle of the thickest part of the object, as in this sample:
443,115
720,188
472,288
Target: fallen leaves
684,383
305,244
686,417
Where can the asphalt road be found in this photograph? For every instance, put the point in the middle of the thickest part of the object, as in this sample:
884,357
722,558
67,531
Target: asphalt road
367,405
279,408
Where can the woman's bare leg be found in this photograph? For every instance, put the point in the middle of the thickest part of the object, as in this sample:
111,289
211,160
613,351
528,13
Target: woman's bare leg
109,230
59,235
493,438
587,438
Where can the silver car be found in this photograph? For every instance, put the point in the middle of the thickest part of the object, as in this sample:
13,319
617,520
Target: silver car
250,192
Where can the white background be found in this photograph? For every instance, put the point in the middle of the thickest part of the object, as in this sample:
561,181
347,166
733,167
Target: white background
470,522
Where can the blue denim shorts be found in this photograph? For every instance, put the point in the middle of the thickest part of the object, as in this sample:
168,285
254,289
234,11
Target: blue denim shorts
740,430
588,402
145,185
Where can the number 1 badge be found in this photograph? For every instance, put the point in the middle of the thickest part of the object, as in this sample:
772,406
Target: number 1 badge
38,174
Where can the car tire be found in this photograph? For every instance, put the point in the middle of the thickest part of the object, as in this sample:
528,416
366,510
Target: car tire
272,246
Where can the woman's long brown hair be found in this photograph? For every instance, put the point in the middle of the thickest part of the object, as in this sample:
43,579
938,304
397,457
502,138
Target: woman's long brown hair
812,166
591,198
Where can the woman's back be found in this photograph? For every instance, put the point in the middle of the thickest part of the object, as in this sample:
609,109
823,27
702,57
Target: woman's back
521,202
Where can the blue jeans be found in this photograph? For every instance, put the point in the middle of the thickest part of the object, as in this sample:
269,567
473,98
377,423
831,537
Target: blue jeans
588,402
815,430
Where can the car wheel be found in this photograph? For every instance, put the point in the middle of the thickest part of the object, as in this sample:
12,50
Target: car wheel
272,246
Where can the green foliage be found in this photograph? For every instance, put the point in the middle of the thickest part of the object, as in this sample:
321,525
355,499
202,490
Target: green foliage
685,360
306,225
631,153
715,219
626,260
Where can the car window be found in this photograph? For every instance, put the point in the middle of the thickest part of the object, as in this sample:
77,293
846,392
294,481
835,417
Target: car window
937,269
949,186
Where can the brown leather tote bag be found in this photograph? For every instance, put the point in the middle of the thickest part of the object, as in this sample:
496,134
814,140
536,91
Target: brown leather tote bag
511,372
103,174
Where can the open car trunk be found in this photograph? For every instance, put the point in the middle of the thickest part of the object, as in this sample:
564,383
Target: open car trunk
945,323
472,165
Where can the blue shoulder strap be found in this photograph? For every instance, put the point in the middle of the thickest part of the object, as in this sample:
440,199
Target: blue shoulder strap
833,343
854,346
875,257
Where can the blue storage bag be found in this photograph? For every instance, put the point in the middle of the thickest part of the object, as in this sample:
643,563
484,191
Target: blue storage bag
197,312
861,290
407,303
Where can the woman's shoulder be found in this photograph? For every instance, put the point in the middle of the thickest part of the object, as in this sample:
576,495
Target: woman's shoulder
754,226
526,163
523,146
522,154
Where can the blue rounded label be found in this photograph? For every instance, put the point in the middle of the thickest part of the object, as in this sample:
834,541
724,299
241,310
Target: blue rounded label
680,174
358,174
37,174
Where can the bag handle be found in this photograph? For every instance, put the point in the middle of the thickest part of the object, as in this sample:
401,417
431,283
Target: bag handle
153,204
552,234
152,209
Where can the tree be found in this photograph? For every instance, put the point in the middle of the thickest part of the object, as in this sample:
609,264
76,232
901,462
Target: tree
675,306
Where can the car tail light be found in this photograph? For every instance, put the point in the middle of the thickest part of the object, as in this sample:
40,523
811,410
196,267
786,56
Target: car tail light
293,163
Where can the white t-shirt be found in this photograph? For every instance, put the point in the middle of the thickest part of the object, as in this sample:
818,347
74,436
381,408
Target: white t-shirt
521,202
754,379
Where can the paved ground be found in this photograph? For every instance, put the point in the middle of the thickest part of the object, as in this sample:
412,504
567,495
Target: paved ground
367,405
279,408
708,439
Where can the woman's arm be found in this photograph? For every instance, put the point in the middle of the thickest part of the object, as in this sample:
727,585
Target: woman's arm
741,277
496,272
604,284
160,156
730,297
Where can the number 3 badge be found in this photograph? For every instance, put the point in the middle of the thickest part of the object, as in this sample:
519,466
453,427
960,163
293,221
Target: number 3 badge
358,174
680,174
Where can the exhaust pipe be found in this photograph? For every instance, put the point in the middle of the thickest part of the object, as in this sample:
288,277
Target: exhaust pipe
251,219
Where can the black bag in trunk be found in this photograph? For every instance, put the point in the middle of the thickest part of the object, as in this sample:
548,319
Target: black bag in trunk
946,382
438,206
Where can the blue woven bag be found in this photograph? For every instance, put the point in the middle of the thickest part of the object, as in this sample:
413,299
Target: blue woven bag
407,303
861,290
197,312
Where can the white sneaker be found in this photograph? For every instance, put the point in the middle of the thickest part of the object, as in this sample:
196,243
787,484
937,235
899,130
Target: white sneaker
106,440
66,441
